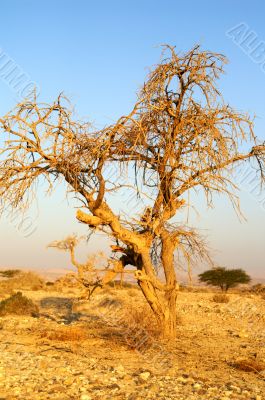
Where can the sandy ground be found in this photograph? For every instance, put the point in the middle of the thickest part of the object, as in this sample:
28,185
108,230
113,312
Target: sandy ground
108,349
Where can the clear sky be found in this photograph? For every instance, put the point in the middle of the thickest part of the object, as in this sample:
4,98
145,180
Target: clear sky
98,53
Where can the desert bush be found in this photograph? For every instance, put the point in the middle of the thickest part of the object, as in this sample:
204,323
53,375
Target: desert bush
142,316
18,304
65,333
9,273
110,302
220,298
140,328
29,280
258,288
23,281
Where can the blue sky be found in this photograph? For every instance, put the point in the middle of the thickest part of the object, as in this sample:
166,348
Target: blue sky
99,53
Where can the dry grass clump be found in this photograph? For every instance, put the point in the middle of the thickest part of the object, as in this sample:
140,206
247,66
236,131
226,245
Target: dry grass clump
65,334
144,317
132,292
220,298
17,304
141,318
110,302
194,289
259,288
117,284
29,281
249,365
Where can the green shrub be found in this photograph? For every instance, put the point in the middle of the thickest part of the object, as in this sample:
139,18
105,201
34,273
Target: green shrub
18,304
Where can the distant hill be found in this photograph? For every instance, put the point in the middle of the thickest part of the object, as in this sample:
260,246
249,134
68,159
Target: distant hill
53,273
49,274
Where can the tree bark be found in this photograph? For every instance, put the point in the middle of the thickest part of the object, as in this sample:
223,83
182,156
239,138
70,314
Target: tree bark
163,304
170,317
162,300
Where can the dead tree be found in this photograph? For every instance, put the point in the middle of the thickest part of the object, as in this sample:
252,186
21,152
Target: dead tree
179,137
91,274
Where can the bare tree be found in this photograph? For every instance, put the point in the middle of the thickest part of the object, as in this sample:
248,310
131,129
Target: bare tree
179,137
95,273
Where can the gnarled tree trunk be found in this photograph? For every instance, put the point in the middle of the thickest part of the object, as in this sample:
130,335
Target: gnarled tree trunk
161,297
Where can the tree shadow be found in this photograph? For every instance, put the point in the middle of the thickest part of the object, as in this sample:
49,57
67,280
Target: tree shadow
57,303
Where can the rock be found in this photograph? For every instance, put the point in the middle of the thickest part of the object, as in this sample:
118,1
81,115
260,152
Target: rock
69,381
154,388
114,386
57,388
182,380
245,392
119,370
242,335
197,386
144,376
133,396
85,396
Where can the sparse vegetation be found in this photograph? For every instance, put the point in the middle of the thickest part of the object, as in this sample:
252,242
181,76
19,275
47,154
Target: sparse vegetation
221,298
113,325
258,288
22,281
49,283
17,304
249,365
10,273
141,318
224,278
180,136
65,334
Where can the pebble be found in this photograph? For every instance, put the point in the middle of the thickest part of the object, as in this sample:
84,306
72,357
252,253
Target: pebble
85,397
41,372
144,376
197,386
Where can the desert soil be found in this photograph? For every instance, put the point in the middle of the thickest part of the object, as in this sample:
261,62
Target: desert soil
107,349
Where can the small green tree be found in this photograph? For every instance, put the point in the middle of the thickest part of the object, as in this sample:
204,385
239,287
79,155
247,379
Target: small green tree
224,278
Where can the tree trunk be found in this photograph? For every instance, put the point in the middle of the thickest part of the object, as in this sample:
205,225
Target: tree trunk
169,322
163,304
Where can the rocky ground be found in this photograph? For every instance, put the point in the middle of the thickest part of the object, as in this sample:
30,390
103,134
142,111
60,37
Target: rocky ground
109,349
